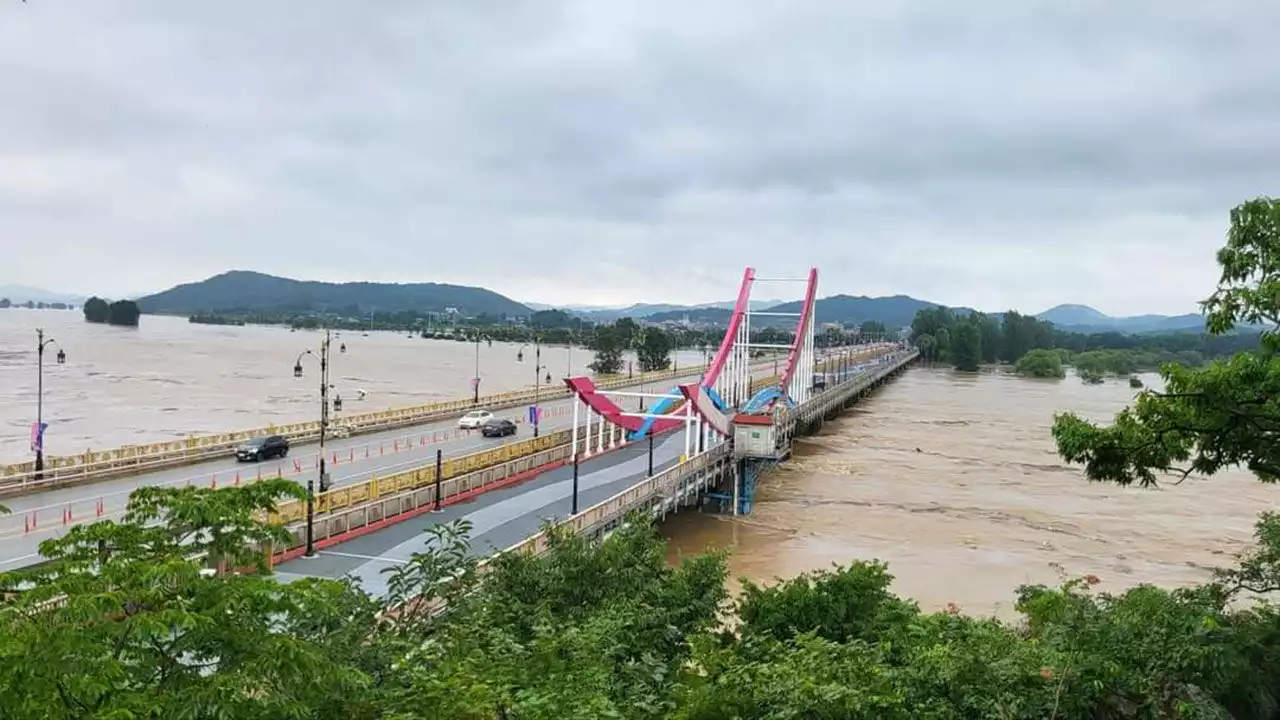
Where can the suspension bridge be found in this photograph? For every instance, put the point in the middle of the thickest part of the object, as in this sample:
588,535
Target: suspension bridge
701,444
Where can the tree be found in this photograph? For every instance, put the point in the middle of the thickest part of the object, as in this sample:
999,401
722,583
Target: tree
123,312
927,344
96,310
5,303
608,342
550,319
1041,363
586,630
1220,416
872,328
142,631
990,335
654,350
1017,335
966,345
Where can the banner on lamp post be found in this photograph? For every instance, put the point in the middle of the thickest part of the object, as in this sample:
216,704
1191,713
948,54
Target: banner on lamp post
37,436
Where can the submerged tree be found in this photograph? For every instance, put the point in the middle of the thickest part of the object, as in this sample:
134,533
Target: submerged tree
654,349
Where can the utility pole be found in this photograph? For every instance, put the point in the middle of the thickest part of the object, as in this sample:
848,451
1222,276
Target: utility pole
37,437
475,379
537,387
324,427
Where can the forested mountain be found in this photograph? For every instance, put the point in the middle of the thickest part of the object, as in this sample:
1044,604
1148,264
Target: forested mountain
1082,318
241,290
895,311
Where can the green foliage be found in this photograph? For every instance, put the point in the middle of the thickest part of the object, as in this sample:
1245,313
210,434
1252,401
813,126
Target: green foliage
1041,363
609,342
592,630
124,312
654,349
841,605
550,319
872,328
587,630
97,310
120,312
123,622
966,345
1014,335
1223,415
1101,363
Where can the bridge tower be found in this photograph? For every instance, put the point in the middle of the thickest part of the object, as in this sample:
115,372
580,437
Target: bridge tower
705,409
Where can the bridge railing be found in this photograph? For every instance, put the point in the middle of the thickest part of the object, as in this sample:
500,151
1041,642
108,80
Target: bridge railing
90,465
643,495
459,476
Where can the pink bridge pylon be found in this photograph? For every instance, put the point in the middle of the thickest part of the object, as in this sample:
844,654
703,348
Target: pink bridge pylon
728,376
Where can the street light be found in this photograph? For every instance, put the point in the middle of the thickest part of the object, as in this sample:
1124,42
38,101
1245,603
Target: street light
538,367
324,427
37,437
475,379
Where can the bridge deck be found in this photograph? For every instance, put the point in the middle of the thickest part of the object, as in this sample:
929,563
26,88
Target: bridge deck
504,517
499,518
388,452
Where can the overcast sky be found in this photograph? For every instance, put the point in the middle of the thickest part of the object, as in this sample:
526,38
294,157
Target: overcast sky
990,154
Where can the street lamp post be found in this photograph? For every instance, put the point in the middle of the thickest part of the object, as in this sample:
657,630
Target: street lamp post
324,427
538,367
38,436
475,380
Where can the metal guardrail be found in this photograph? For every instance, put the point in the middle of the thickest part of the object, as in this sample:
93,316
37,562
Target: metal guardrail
418,483
651,493
547,449
340,511
91,466
345,509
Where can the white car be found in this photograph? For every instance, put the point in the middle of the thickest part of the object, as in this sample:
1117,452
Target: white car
475,419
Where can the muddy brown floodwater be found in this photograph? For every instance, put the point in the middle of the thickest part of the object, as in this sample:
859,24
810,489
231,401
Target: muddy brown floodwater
954,482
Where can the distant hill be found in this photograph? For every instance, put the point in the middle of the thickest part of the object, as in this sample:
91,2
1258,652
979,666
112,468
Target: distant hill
895,311
244,291
899,310
666,311
23,293
1082,318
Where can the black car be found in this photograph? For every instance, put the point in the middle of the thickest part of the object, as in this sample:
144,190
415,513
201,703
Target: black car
498,427
263,448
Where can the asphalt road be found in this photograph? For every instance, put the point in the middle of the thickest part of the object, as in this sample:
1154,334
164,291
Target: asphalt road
499,518
39,516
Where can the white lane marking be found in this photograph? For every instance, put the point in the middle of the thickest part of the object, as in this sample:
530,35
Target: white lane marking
20,558
366,558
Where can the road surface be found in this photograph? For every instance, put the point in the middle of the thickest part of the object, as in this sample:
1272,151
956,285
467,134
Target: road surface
499,518
42,515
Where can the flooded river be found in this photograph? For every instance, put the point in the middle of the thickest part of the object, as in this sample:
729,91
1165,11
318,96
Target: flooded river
953,481
169,378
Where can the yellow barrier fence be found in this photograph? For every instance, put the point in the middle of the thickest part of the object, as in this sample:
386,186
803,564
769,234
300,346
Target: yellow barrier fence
175,452
136,458
379,487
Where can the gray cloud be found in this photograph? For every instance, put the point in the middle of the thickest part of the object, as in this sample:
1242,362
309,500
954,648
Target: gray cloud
999,155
